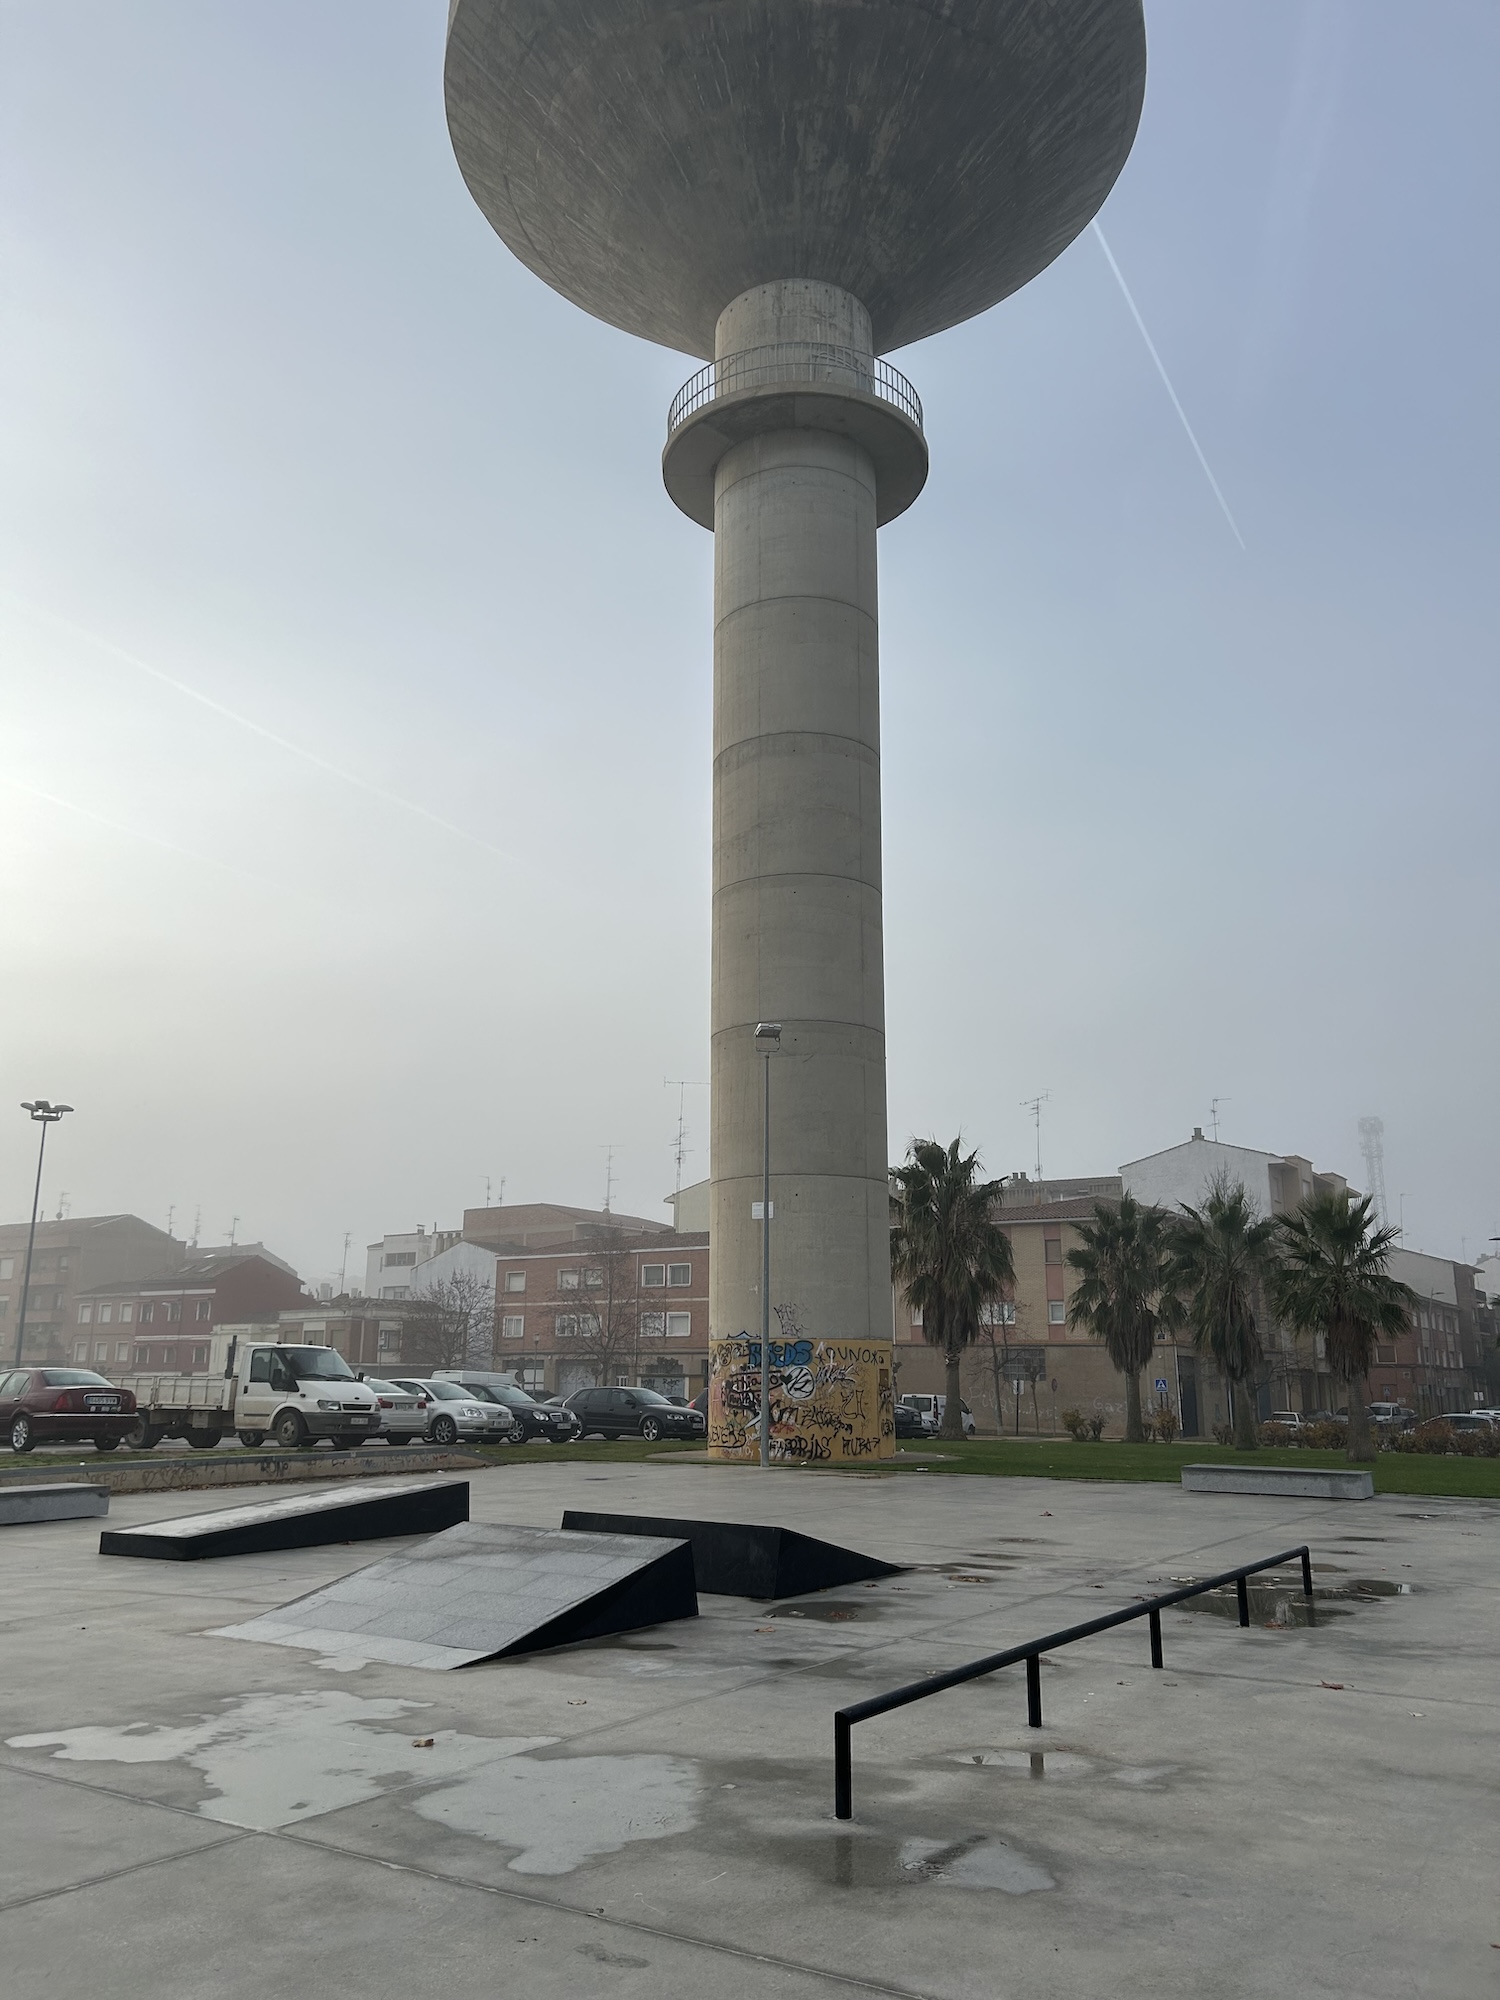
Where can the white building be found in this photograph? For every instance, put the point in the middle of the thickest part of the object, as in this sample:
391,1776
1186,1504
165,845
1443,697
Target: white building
1275,1182
392,1263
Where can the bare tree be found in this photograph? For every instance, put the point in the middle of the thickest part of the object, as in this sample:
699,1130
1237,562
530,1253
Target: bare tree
451,1324
598,1308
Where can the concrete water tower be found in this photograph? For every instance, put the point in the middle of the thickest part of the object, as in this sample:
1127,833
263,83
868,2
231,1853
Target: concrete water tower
789,189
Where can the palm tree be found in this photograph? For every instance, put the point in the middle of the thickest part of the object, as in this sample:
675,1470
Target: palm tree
947,1255
1118,1298
1333,1280
1223,1258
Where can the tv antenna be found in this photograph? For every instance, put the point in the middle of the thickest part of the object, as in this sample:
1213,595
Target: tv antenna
233,1227
344,1262
609,1176
170,1213
1213,1114
1371,1144
63,1205
1034,1106
682,1149
197,1226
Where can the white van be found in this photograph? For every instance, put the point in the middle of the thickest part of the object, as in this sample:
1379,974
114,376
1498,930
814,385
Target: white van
932,1408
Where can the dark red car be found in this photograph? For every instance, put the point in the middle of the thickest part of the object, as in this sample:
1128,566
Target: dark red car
63,1406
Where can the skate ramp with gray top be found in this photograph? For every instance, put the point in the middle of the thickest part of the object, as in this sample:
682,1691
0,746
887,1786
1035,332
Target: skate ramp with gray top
481,1592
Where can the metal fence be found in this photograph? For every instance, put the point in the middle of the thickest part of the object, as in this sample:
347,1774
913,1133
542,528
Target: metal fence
1152,1608
787,364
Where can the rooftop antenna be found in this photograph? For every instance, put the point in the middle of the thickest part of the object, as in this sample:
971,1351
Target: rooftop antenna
170,1213
62,1206
234,1225
1371,1135
344,1262
609,1177
682,1148
197,1225
1034,1106
1213,1114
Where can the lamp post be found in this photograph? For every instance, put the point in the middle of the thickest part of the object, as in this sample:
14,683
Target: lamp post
43,1114
767,1042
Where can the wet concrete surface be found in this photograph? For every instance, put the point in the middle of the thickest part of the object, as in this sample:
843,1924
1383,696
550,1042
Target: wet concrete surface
1285,1809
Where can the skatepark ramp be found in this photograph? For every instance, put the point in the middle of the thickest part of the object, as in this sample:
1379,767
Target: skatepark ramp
744,1559
362,1513
481,1592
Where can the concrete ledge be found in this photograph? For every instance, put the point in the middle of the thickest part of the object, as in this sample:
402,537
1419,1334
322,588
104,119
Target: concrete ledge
271,1468
70,1501
1291,1481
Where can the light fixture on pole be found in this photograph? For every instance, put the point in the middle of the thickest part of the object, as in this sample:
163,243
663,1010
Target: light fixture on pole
43,1114
767,1042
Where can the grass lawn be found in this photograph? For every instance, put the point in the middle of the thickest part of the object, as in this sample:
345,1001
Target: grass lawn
1047,1458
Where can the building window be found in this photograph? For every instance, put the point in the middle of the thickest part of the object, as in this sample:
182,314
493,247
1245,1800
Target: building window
1057,1312
513,1326
148,1313
1052,1250
653,1274
106,1314
515,1281
85,1313
142,1356
916,1315
593,1280
393,1258
680,1326
122,1350
653,1326
172,1310
567,1281
533,1377
80,1351
205,1309
679,1274
567,1326
101,1350
389,1340
127,1313
200,1357
395,1291
7,1267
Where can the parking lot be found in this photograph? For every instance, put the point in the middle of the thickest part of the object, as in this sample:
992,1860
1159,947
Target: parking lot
1288,1809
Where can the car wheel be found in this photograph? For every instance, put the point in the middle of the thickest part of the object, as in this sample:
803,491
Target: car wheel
251,1440
289,1430
650,1430
141,1436
22,1437
204,1440
444,1431
107,1444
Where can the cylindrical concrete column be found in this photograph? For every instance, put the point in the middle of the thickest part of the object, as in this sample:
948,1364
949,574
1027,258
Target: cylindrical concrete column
797,908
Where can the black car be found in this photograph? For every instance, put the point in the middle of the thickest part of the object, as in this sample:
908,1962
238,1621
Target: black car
553,1422
616,1413
909,1422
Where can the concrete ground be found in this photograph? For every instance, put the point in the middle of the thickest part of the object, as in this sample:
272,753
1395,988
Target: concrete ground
1282,1811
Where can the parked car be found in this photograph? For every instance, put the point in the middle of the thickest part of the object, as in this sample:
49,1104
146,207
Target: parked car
1391,1416
1470,1420
403,1411
700,1404
63,1406
616,1413
1292,1419
911,1423
934,1406
454,1413
529,1418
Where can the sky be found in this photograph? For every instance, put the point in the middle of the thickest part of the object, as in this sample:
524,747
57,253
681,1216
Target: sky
355,668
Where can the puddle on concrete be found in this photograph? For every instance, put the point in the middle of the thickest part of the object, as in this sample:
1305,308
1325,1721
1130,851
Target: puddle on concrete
976,1863
1283,1605
274,1759
1035,1763
836,1613
561,1812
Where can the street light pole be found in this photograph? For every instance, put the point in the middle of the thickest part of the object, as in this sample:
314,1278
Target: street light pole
43,1114
767,1040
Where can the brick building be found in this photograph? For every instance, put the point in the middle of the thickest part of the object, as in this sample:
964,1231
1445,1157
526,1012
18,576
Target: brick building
166,1321
70,1259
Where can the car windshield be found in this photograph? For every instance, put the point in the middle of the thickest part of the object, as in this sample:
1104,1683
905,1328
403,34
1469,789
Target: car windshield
449,1392
380,1388
650,1396
74,1378
516,1398
318,1364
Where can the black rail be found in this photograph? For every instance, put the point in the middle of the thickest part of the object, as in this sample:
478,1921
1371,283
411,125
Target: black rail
880,1704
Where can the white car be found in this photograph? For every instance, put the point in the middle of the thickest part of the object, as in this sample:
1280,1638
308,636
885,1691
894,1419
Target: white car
403,1410
453,1414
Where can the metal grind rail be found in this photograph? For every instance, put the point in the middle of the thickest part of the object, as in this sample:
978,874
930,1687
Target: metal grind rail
881,1704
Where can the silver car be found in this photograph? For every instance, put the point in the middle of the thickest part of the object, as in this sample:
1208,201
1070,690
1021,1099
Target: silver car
454,1414
403,1410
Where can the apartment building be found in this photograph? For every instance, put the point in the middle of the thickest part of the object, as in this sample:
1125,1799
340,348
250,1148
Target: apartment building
167,1321
71,1257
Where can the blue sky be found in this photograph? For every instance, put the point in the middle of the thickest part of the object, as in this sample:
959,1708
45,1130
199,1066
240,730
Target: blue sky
1166,819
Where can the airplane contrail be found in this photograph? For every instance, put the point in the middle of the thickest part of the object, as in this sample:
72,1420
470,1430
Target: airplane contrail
207,701
139,833
1135,313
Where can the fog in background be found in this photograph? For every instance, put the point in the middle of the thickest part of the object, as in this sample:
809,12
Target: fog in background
412,888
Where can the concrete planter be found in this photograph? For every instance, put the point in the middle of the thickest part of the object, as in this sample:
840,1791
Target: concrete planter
1292,1482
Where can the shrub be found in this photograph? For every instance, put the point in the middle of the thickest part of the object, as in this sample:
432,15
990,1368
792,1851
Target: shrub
1435,1436
1167,1425
1277,1434
1324,1437
1477,1444
1223,1433
1074,1425
1096,1429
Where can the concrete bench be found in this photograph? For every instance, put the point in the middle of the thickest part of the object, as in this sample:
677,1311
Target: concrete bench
1292,1482
70,1502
